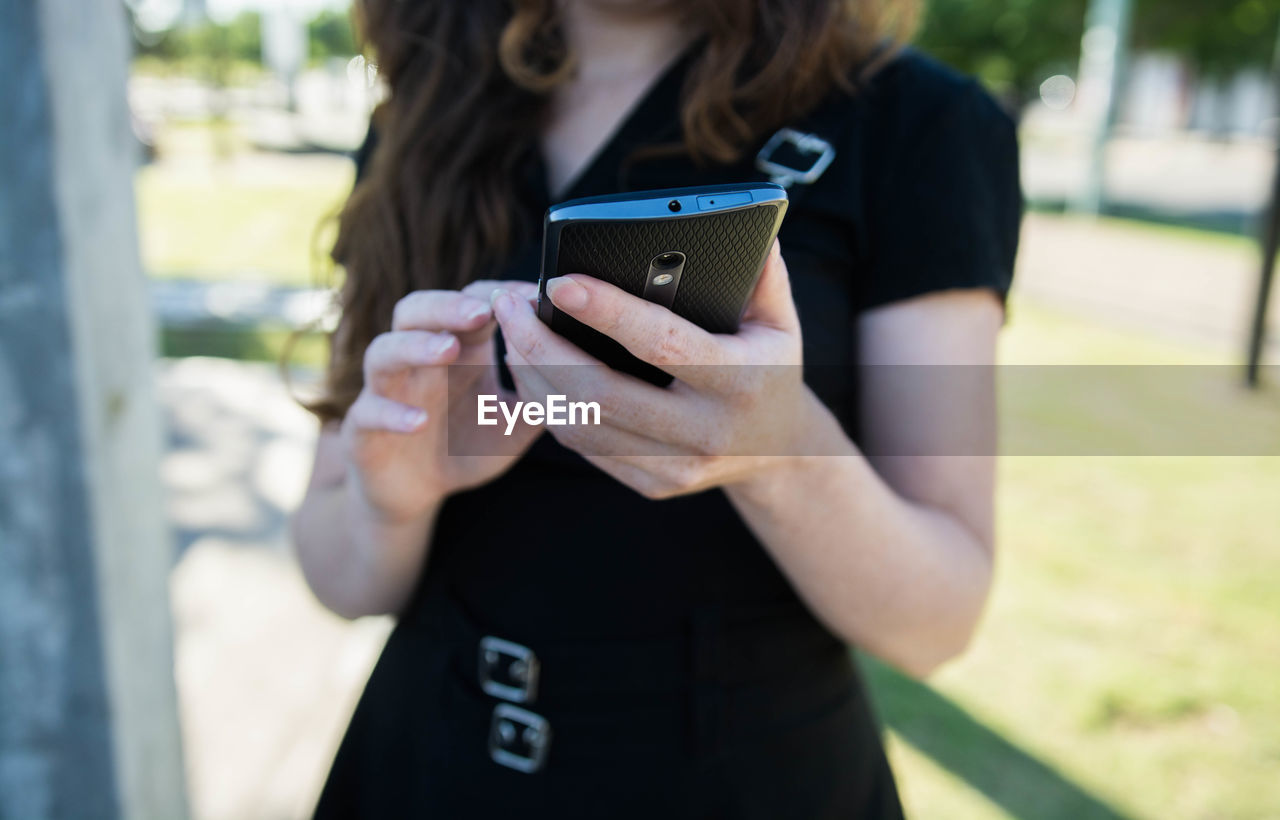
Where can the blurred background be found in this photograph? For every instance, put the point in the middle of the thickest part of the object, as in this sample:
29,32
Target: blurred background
1129,665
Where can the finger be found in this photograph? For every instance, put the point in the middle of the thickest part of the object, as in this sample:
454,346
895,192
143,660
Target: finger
465,315
771,303
392,354
608,441
373,413
567,370
662,414
626,403
604,438
649,331
536,342
530,385
645,482
483,288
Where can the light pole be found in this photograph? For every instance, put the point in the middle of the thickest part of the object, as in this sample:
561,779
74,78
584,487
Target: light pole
1270,246
1104,50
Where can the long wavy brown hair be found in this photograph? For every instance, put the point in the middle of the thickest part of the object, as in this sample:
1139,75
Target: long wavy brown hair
468,85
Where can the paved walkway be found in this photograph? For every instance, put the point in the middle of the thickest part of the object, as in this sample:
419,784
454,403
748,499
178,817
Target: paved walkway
180,302
266,676
1147,278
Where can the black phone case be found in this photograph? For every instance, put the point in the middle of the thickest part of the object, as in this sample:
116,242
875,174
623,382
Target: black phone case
725,251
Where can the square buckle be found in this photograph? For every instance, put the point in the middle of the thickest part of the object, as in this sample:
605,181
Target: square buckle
519,739
802,144
508,670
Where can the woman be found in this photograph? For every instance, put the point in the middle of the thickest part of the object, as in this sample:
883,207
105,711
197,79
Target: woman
661,631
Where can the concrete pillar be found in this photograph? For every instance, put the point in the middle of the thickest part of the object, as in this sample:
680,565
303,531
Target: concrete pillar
88,718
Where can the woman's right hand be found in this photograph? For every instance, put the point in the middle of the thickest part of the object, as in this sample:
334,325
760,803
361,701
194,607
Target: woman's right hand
396,435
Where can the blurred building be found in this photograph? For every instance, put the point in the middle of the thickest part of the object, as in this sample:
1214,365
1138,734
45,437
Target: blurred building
1163,95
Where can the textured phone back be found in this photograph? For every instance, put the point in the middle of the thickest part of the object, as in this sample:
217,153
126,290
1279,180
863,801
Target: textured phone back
724,252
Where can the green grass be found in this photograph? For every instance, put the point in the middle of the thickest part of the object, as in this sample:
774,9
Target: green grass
1177,227
1129,663
265,344
1131,645
218,222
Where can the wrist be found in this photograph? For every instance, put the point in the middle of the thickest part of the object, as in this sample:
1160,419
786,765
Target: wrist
363,512
816,434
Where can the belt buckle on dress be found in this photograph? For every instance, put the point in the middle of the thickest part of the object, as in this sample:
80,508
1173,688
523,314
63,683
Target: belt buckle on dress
783,174
508,670
518,739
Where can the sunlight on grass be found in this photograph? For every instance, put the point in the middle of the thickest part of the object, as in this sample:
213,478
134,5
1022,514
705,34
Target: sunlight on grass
242,220
1131,643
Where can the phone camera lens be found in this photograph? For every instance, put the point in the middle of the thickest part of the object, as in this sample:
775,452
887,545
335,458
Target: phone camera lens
667,260
674,205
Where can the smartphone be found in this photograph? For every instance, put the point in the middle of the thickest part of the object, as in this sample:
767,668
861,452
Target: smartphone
696,251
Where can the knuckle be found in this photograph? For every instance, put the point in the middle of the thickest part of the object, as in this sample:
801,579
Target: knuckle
718,443
751,380
418,309
686,475
378,350
656,491
406,309
479,287
741,396
744,387
530,346
570,436
604,395
606,317
669,347
358,417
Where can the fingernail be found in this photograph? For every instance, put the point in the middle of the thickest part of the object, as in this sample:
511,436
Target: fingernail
566,293
413,419
474,308
500,301
439,344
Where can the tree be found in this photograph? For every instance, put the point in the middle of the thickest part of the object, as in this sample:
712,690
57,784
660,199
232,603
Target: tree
1011,45
238,40
330,35
1217,36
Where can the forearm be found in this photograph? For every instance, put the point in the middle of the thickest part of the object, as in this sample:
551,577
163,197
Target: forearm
355,562
902,580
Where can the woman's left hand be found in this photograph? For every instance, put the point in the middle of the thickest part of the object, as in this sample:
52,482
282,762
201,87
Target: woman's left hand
736,399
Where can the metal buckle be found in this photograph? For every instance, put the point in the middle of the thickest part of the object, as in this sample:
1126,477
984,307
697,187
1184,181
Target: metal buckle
785,175
508,670
518,739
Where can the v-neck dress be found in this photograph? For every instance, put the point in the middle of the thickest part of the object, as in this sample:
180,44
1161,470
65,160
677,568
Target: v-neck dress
678,673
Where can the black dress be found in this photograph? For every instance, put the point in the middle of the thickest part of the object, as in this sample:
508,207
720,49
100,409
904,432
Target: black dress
676,673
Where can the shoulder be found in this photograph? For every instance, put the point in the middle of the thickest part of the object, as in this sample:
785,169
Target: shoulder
911,72
914,94
935,170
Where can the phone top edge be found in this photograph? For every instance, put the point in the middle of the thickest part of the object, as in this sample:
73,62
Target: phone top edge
654,204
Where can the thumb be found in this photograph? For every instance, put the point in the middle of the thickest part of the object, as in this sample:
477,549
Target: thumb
771,303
